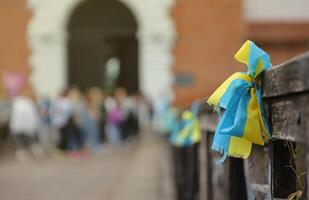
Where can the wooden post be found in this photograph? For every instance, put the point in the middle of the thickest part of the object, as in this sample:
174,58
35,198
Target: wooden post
257,173
274,171
286,96
282,164
209,121
218,181
186,172
206,189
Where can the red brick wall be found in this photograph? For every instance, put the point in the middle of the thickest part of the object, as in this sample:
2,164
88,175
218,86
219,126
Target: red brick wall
282,40
209,34
13,46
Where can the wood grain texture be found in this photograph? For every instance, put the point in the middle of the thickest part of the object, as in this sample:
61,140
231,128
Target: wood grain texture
283,178
219,174
307,156
186,172
285,91
289,118
288,78
257,173
286,99
208,118
205,158
220,179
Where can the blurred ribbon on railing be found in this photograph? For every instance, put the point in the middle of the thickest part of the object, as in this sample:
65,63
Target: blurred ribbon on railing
243,121
165,118
187,131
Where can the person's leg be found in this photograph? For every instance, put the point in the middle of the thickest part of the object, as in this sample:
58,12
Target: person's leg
81,136
72,144
117,134
44,137
20,145
113,134
102,125
123,130
62,138
33,144
109,133
95,141
18,141
2,136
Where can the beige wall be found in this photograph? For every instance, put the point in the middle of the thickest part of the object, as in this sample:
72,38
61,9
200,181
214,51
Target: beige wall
276,10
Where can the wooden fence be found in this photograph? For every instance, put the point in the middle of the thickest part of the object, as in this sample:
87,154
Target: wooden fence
275,171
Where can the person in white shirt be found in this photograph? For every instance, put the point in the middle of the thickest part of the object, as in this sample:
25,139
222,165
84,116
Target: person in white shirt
24,123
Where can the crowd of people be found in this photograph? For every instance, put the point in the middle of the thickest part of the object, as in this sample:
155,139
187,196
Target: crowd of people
79,123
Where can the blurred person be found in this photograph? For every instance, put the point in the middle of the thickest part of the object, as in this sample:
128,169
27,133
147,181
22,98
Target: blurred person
128,108
24,124
97,98
131,124
5,112
72,138
61,119
114,120
77,134
46,134
144,112
90,122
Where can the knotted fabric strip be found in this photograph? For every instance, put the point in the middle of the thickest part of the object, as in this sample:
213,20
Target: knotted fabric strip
187,131
243,121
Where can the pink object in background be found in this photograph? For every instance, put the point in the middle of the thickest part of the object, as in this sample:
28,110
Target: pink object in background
13,82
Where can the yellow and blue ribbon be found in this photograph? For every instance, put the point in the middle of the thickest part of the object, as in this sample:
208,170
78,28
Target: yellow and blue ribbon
167,117
187,130
243,122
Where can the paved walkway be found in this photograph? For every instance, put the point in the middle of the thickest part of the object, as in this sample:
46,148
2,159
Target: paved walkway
138,172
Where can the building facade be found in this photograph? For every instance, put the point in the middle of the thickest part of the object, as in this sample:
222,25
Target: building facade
184,49
48,36
210,32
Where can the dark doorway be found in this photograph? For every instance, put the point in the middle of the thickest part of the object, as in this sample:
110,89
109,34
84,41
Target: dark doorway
100,31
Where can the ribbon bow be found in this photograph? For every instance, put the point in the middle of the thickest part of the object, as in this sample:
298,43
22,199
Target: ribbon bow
243,121
187,131
167,119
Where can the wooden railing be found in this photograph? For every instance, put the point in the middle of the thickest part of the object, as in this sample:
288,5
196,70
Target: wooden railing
277,170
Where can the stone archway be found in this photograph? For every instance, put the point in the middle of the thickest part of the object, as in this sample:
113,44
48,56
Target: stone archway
99,31
48,36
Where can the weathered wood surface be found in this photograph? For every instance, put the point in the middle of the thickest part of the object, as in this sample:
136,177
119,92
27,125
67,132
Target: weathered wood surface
287,78
286,99
257,173
286,96
186,172
288,117
283,178
219,175
208,118
267,173
218,181
306,158
204,157
215,179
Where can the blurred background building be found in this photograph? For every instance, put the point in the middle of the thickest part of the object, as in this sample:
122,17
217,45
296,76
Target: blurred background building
165,48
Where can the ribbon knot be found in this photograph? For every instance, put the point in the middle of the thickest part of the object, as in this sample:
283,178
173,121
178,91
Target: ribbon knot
187,130
243,122
252,84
